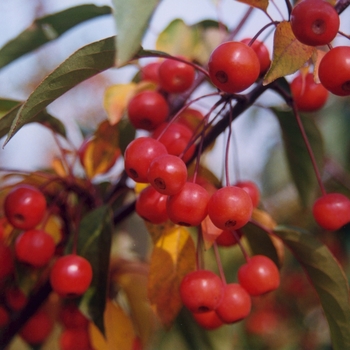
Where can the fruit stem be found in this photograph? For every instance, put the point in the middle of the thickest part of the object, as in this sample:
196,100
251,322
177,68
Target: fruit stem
239,242
262,30
227,150
219,263
240,24
289,7
199,257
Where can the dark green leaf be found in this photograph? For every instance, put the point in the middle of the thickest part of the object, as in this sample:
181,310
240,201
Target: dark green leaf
48,28
299,161
83,64
260,242
328,279
132,18
94,243
126,134
9,110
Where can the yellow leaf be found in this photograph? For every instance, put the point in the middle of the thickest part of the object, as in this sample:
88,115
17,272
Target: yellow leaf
172,258
316,59
264,218
135,287
289,54
58,167
119,330
53,226
260,4
116,99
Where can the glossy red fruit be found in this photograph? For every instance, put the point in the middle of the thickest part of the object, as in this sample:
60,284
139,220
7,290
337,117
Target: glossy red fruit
308,96
201,291
235,304
208,320
314,22
176,139
71,317
332,211
37,328
4,317
71,275
25,207
189,207
230,208
35,247
147,110
138,156
75,339
175,76
151,206
336,80
227,239
15,298
259,275
262,52
6,261
167,174
233,67
252,189
150,72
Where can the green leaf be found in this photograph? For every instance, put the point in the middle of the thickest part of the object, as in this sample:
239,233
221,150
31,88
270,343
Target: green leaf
260,242
132,18
327,277
48,28
299,161
94,243
83,64
9,110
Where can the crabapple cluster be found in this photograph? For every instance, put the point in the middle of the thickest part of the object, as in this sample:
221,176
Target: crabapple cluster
213,302
315,23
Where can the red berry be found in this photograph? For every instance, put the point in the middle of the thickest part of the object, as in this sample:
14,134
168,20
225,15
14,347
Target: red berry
6,261
71,275
150,72
252,189
25,207
147,110
175,138
15,298
167,174
262,322
35,247
37,328
175,76
314,22
262,52
259,275
235,304
337,81
201,291
332,211
75,339
308,96
230,208
227,238
4,317
139,155
72,317
208,320
189,206
233,67
151,206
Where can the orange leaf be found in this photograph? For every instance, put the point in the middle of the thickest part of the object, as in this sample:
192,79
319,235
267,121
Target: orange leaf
289,54
316,59
172,258
260,4
210,232
119,330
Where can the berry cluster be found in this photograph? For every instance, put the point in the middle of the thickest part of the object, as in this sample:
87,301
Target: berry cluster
213,303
